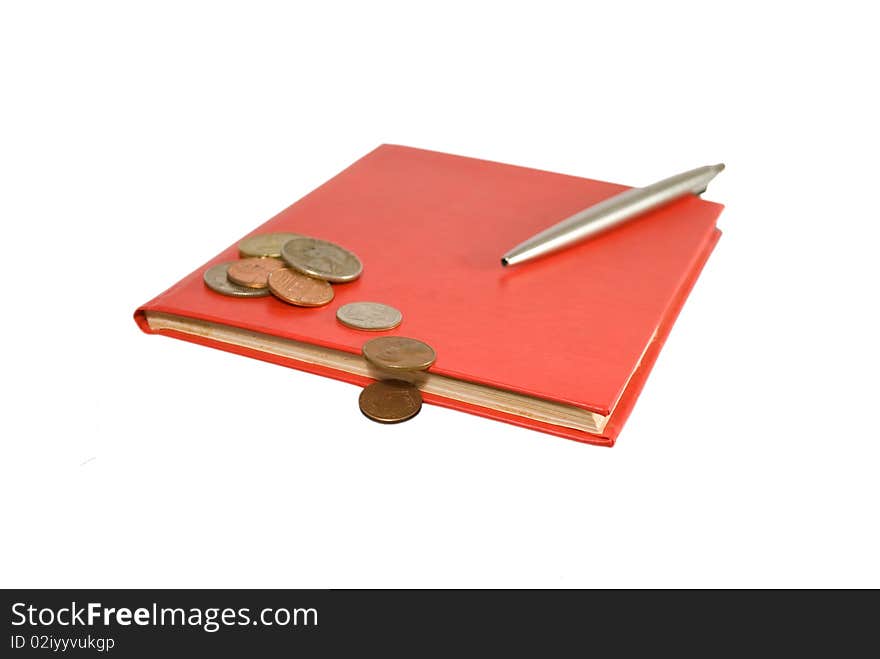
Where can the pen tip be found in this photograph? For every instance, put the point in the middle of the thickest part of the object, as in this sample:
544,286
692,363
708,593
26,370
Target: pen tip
504,262
720,167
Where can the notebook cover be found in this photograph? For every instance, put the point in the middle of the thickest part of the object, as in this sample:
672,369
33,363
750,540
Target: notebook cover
430,229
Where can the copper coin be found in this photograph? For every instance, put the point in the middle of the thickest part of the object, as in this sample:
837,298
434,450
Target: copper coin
399,353
390,401
296,288
216,279
265,244
253,272
323,259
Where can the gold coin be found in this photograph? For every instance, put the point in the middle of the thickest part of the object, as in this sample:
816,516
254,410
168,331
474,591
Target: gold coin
399,353
370,316
390,401
253,272
322,259
216,279
265,244
296,288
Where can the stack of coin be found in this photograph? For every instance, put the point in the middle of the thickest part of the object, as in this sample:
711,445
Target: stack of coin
394,400
294,268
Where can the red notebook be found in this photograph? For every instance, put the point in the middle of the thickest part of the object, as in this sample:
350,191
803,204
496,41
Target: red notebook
561,344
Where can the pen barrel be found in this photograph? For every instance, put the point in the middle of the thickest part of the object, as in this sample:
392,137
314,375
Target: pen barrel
619,208
612,212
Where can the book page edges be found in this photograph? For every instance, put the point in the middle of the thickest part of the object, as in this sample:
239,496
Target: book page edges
502,400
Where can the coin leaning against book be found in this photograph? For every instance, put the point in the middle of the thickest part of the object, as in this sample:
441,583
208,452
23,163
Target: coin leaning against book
390,401
399,353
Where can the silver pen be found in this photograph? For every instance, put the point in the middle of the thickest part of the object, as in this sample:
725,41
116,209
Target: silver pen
611,212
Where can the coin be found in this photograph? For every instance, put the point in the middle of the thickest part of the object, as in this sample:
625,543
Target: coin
322,259
370,316
253,272
265,244
216,280
399,353
390,401
296,288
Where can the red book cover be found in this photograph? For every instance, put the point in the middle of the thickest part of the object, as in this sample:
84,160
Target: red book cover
580,328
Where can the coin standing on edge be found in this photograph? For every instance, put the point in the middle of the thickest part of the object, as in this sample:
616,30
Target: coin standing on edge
322,259
253,272
296,288
369,316
390,401
399,353
265,244
216,279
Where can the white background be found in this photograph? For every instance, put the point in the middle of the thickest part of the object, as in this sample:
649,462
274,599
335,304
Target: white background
137,141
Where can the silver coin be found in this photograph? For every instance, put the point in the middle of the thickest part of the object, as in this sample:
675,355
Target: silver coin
321,259
216,280
370,316
265,244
